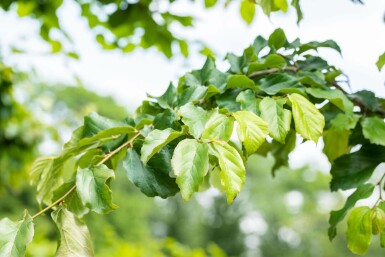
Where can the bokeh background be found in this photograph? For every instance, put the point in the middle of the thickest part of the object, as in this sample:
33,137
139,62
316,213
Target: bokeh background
45,96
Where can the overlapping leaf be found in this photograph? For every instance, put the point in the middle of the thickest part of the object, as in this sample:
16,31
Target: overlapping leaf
277,118
309,122
75,240
92,185
233,172
251,130
15,235
190,163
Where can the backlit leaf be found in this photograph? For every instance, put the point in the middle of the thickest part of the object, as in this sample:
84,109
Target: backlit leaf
15,235
155,140
373,129
309,122
359,231
219,127
277,118
233,172
190,163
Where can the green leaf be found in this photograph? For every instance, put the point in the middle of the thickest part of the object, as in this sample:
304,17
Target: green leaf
72,201
46,174
75,239
155,140
368,98
336,97
252,130
314,45
94,123
190,163
373,129
258,44
277,118
233,172
295,4
382,235
359,231
362,192
271,61
168,99
381,61
277,39
248,101
195,118
336,143
281,4
92,185
150,181
280,83
377,216
345,121
351,170
210,3
192,93
240,81
247,11
219,127
309,122
14,236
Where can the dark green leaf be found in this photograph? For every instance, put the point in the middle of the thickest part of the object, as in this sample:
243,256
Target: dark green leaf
149,180
72,201
280,83
368,98
168,99
314,45
351,170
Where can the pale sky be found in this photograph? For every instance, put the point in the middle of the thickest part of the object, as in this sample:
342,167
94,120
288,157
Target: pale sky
359,30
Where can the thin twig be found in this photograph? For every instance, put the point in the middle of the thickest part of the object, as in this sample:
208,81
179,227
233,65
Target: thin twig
106,157
54,203
358,101
273,70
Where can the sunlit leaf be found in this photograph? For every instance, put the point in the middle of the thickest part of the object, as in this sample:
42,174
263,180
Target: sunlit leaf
190,163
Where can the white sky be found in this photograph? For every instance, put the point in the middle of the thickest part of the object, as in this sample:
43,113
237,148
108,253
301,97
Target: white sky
359,30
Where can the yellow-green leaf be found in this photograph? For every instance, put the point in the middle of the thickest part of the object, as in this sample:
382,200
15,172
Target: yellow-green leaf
190,163
252,130
309,122
233,172
247,10
359,231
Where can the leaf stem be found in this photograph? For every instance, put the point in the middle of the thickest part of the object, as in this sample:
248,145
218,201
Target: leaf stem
107,156
54,203
110,154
